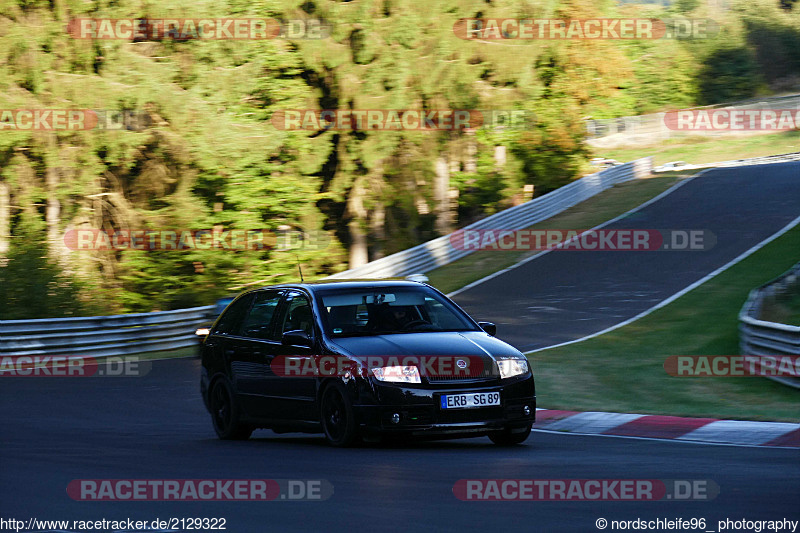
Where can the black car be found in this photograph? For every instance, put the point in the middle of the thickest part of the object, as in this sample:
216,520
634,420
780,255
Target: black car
362,359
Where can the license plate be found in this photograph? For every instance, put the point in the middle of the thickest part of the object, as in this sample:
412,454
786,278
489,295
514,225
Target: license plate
470,399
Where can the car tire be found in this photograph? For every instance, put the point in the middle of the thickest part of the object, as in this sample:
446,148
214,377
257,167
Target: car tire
337,416
225,412
506,438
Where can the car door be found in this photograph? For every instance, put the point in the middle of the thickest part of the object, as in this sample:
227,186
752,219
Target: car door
222,351
295,395
256,346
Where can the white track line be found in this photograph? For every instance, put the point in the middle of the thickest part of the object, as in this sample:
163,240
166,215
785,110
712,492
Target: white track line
680,293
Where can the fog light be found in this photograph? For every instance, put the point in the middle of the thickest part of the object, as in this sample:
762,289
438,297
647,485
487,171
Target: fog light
526,410
396,418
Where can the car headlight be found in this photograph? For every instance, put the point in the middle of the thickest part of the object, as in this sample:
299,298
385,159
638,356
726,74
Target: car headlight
512,367
397,374
201,332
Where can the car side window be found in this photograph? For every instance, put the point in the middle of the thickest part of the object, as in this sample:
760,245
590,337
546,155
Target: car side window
231,320
259,321
298,314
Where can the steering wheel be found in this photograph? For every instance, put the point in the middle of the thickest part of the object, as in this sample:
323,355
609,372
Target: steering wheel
415,323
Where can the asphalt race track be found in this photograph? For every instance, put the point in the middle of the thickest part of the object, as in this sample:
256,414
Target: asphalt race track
565,295
154,427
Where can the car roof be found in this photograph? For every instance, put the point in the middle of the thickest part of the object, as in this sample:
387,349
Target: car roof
314,286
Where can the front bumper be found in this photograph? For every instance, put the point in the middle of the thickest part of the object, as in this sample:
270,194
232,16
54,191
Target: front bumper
421,414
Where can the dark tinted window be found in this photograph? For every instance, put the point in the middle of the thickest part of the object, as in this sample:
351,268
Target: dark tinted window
380,311
259,324
298,315
231,320
441,316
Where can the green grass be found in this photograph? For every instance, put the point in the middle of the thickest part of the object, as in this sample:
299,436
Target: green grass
592,212
623,370
698,150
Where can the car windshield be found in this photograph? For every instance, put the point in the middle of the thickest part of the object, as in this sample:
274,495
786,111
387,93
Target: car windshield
382,311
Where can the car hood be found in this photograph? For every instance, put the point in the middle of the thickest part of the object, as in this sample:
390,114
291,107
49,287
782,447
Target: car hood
476,343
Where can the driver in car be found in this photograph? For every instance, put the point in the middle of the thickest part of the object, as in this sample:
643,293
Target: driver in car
392,318
400,316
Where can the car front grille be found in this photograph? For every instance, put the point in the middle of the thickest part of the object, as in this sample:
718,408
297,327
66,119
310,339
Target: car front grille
487,373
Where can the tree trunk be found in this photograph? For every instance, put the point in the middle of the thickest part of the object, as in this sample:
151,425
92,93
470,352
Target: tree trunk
53,211
5,218
441,185
470,165
358,237
499,156
53,218
378,230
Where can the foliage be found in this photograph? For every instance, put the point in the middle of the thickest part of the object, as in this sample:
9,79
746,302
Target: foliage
32,285
207,154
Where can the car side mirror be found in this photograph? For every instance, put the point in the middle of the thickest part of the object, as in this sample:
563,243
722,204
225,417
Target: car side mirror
488,327
296,337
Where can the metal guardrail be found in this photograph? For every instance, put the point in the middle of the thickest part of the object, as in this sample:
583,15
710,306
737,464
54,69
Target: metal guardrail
440,251
762,160
782,158
108,336
102,336
761,337
653,123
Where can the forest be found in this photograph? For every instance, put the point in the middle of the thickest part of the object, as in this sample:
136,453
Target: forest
196,147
